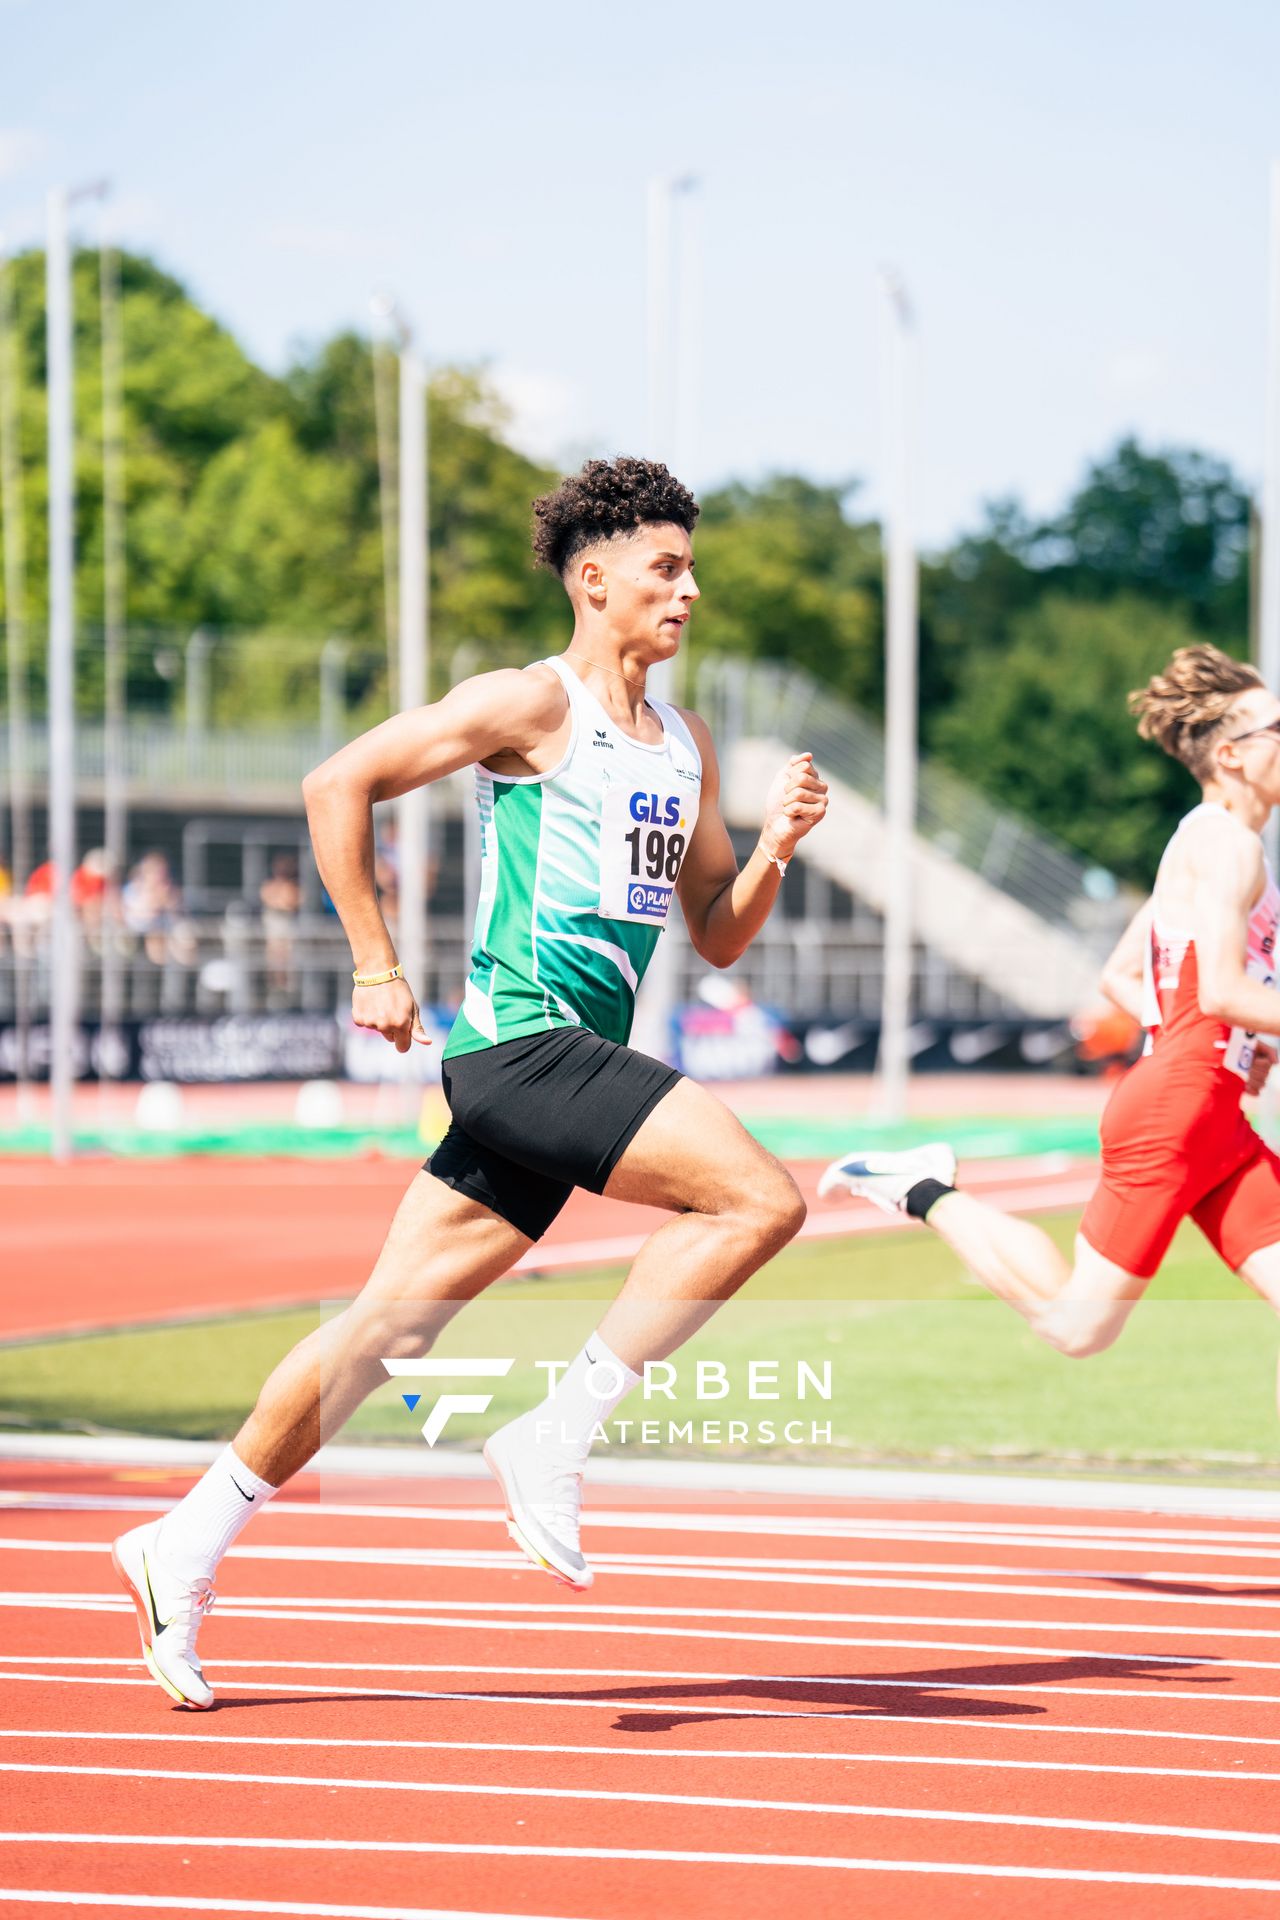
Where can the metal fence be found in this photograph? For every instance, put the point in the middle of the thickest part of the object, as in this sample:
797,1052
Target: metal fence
752,700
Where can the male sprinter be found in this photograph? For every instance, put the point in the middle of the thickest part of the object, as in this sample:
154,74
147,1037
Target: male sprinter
1197,967
596,804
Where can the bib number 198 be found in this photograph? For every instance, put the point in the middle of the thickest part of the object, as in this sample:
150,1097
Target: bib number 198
660,855
643,839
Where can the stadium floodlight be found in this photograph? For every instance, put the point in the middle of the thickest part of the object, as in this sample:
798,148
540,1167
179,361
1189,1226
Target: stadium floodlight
63,986
412,821
12,509
383,309
64,958
1269,596
115,794
901,720
410,583
667,416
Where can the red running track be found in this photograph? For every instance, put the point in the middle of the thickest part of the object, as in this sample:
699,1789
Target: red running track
834,1707
108,1243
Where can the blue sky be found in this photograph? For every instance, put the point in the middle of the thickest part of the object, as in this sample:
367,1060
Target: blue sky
1076,197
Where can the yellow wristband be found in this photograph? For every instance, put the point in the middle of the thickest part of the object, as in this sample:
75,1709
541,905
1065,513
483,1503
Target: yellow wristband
378,979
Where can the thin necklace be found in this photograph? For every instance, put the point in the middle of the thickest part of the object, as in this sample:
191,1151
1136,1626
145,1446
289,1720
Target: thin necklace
570,655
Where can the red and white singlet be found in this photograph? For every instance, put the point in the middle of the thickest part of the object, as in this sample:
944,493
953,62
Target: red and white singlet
1175,1142
1171,983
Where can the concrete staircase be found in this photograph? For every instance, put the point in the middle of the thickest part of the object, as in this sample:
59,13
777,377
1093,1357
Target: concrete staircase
1001,902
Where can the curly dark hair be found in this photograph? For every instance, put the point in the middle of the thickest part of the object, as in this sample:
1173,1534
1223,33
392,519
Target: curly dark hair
608,497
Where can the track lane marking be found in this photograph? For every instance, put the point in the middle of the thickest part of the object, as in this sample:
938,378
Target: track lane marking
352,1616
187,1903
275,1742
686,1709
744,1682
730,1803
679,1567
495,1850
929,1533
442,1612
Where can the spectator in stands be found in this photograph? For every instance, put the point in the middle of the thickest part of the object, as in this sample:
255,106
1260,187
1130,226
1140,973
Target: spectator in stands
151,901
280,897
88,894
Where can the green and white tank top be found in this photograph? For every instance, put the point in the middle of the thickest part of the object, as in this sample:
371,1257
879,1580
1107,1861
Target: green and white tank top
578,870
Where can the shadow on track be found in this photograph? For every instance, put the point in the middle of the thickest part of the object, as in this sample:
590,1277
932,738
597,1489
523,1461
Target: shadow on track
923,1693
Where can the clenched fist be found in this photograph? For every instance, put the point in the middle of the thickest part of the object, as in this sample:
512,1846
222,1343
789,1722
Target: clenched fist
392,1011
795,803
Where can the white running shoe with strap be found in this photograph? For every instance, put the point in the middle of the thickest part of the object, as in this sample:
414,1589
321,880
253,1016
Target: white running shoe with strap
541,1485
887,1178
170,1611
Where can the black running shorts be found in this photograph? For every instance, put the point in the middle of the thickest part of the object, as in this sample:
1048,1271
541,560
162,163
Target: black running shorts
536,1117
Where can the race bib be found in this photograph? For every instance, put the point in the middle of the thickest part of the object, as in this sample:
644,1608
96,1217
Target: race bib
643,840
1242,1042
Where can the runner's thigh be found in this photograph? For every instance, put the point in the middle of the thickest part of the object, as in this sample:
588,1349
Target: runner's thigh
1241,1219
693,1155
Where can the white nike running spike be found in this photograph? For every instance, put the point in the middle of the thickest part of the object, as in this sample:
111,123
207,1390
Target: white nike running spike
542,1487
887,1178
169,1614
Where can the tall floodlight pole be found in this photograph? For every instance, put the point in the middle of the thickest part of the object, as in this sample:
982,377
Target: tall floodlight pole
15,602
61,672
388,485
1269,597
115,793
902,640
414,653
667,409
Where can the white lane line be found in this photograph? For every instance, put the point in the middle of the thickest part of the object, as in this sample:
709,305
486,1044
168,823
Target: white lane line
682,1709
494,1850
781,1572
546,1612
742,1682
327,1615
560,1747
186,1903
922,1567
891,1532
730,1803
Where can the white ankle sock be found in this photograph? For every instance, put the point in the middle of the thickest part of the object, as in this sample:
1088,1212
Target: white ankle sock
578,1406
197,1532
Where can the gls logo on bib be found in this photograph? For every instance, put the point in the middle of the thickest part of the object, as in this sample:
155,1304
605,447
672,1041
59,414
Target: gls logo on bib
643,839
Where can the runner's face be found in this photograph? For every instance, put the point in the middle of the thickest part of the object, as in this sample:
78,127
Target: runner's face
1254,740
650,589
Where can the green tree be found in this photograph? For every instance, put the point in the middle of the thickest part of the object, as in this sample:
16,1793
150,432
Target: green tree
1042,726
789,576
1172,525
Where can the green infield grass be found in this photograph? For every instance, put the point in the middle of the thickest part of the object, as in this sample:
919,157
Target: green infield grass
878,1339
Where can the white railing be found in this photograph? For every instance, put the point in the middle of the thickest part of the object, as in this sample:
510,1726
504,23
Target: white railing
754,700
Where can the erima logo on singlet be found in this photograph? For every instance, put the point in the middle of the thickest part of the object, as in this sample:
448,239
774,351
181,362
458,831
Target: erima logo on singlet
602,739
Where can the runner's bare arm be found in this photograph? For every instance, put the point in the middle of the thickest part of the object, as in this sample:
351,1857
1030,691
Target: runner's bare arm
1122,975
1227,870
724,909
480,717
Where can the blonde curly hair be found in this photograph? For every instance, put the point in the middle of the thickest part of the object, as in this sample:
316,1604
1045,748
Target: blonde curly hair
1182,708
